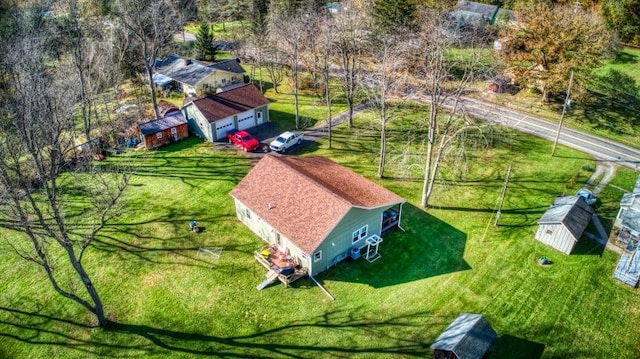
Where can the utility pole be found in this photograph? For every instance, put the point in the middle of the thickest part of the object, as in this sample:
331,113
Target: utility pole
564,110
504,191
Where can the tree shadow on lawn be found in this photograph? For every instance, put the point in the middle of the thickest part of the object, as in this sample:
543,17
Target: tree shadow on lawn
392,335
182,250
429,247
511,347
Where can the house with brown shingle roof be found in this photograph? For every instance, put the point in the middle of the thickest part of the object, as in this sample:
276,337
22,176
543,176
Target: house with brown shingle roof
314,211
240,107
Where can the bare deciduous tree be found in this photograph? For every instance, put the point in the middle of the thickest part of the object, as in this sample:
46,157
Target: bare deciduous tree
152,24
274,68
437,63
36,143
348,41
381,82
287,29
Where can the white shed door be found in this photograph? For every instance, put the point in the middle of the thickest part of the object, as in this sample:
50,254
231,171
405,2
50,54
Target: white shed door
246,120
222,127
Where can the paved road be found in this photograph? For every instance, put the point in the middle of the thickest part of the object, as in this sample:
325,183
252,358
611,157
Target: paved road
599,148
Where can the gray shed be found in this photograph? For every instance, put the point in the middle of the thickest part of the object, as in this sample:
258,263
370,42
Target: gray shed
468,337
562,225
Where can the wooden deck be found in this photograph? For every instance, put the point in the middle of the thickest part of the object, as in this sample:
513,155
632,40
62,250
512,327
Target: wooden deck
275,261
390,219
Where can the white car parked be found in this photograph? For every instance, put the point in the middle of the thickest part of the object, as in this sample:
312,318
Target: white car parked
286,140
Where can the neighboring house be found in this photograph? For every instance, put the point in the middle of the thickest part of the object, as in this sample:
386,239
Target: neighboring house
197,78
562,225
475,14
314,212
239,108
468,337
627,225
627,222
163,131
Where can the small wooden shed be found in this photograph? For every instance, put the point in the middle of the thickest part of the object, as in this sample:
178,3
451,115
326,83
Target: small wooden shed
163,131
468,337
562,225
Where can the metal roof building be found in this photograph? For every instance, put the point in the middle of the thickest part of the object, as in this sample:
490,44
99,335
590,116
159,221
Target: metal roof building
468,337
562,225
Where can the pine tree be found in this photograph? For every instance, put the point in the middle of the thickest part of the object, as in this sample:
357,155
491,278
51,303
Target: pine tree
206,49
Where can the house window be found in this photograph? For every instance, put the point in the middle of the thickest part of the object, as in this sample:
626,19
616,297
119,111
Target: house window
174,130
224,81
159,135
247,213
549,232
360,233
317,256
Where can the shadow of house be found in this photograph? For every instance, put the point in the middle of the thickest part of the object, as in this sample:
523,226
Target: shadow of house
510,347
562,225
427,248
468,337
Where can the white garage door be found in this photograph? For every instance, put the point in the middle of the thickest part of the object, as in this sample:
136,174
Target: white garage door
222,127
245,121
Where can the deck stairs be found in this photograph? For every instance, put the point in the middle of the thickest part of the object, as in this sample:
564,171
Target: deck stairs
272,276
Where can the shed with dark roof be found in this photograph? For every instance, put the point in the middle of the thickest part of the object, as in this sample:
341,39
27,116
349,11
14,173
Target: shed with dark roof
163,131
562,225
469,337
241,107
313,209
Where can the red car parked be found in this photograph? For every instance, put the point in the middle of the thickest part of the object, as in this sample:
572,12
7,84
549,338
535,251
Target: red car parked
243,140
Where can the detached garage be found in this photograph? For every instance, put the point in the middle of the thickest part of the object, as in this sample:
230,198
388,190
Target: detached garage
562,225
160,132
241,108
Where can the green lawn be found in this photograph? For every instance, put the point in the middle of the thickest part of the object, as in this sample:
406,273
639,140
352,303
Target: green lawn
168,301
628,62
608,117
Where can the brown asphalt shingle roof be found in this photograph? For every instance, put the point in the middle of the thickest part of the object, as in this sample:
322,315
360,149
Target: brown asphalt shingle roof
304,198
228,103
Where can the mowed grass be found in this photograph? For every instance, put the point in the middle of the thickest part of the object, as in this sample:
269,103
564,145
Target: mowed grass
166,300
598,114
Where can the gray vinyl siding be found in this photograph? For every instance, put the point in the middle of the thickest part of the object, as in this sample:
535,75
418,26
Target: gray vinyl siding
556,236
339,241
198,124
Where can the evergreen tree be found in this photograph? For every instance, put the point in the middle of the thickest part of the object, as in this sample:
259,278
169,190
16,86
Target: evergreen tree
206,49
391,15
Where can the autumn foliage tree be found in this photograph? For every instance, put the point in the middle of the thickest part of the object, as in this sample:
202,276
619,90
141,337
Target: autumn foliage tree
549,41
